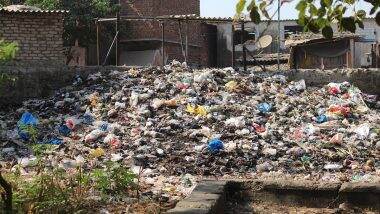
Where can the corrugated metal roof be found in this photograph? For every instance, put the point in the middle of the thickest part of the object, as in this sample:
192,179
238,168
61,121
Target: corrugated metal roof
191,17
28,10
194,16
303,39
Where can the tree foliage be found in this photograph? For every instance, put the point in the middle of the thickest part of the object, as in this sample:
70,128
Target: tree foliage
8,50
5,3
316,16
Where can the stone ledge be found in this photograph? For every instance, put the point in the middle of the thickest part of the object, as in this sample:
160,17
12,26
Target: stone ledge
360,188
210,196
207,197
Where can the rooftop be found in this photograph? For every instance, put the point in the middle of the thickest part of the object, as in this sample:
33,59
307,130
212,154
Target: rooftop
28,9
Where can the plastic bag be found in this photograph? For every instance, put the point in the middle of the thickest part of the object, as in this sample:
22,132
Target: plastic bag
215,145
94,135
88,118
72,123
28,119
64,130
337,139
26,126
54,141
259,128
197,110
363,131
237,122
264,107
232,86
321,119
97,152
338,88
112,140
336,110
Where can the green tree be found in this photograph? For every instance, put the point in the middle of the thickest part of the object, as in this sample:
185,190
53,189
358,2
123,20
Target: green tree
80,23
5,3
43,4
317,15
8,50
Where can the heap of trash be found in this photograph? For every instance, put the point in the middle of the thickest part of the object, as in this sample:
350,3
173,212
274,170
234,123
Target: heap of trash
179,124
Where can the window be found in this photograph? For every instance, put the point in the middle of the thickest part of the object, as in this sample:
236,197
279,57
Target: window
247,36
291,30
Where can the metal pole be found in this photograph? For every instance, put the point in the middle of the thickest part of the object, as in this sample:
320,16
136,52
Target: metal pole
109,50
243,45
117,38
163,43
181,38
233,45
97,43
187,42
279,35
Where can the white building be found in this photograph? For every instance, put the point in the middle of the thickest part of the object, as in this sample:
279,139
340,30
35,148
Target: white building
370,35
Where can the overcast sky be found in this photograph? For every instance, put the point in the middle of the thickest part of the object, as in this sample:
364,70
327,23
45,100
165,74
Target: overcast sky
226,8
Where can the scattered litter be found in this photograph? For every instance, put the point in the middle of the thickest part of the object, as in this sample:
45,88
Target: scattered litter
215,145
168,122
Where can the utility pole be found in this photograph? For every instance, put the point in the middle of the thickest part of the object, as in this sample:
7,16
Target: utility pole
117,36
279,34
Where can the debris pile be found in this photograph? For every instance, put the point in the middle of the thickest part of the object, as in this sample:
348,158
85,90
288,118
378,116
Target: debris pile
171,125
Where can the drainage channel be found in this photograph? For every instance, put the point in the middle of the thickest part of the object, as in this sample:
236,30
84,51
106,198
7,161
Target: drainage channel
280,196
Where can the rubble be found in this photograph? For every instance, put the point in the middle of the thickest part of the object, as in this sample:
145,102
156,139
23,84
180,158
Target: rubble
176,125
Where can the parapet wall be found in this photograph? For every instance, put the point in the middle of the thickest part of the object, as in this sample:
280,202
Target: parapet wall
368,80
41,80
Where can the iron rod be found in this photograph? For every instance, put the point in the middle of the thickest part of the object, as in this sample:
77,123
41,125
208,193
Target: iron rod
187,42
243,46
163,43
279,34
97,43
233,45
109,50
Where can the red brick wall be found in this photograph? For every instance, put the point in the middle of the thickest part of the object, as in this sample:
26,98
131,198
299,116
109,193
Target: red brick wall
39,36
160,7
151,30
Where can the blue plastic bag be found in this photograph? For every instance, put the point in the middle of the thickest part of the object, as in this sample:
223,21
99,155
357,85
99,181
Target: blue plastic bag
88,119
54,141
215,145
264,107
103,127
321,119
28,119
25,125
64,130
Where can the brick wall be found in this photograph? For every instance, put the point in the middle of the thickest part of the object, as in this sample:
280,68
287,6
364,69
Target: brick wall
160,7
39,35
151,30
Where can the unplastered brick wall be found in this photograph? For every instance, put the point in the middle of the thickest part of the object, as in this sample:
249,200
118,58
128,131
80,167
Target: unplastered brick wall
160,7
153,8
151,30
39,35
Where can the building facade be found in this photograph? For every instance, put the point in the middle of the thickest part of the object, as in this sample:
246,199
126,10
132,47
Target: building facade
144,38
37,32
370,35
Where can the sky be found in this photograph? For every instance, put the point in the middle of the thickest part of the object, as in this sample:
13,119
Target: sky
226,8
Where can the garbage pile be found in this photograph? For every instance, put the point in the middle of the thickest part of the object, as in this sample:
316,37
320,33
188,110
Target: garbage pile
177,122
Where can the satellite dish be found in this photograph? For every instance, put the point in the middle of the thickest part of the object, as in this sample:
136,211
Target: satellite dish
264,42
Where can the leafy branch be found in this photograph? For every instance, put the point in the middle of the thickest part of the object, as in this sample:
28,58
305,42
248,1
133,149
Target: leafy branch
8,50
316,16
